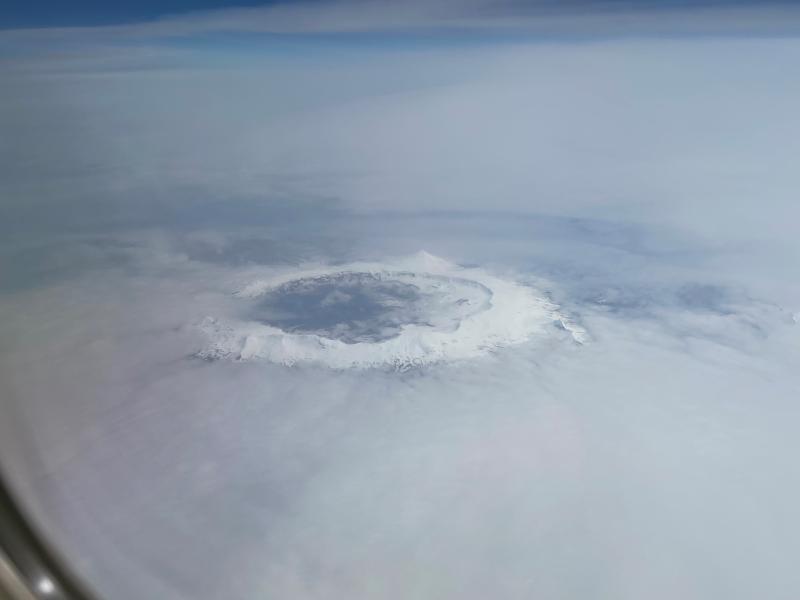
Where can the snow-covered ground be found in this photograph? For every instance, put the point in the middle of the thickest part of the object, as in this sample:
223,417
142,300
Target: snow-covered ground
464,313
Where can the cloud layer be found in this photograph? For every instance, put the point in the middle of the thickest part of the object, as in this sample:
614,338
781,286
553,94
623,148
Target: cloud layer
645,186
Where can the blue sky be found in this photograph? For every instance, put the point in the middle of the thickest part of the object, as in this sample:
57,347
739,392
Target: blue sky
53,13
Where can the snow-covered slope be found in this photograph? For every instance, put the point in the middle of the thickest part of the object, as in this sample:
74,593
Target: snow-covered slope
459,313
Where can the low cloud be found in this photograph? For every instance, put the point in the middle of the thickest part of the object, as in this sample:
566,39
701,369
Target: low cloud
645,186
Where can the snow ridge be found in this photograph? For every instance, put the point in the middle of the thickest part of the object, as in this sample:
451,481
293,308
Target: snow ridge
513,314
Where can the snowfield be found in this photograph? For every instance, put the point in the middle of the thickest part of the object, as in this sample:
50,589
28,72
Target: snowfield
411,311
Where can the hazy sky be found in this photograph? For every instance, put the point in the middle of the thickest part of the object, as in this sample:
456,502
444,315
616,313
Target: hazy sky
633,163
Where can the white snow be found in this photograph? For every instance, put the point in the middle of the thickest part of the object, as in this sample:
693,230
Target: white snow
463,324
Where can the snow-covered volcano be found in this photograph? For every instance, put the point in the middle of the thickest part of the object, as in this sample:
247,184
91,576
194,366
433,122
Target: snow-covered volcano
410,311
